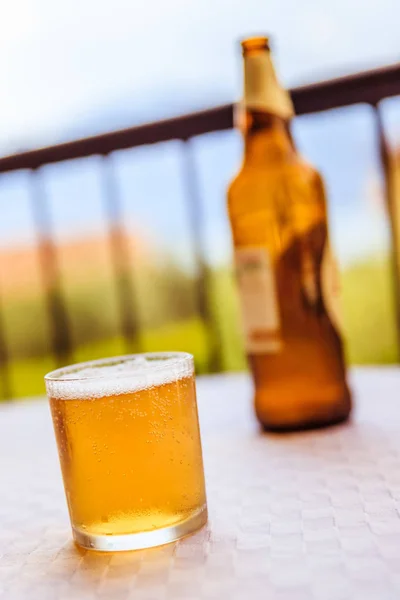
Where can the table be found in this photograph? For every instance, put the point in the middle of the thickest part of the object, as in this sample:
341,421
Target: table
303,516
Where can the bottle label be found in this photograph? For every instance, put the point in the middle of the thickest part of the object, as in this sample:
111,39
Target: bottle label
259,302
262,90
330,287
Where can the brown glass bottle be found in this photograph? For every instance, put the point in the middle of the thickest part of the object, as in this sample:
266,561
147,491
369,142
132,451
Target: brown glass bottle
287,277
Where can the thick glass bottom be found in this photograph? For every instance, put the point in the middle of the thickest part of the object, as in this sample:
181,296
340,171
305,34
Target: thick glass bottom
139,541
305,425
299,411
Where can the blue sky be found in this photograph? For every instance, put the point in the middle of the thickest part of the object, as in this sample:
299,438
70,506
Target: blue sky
84,66
64,63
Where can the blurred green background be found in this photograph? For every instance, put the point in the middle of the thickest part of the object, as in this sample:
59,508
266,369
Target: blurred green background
169,320
86,67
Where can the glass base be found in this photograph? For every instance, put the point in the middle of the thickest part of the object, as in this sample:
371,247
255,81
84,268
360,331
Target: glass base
139,541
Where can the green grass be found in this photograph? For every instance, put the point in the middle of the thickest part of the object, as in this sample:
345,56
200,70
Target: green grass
369,329
190,336
369,315
26,375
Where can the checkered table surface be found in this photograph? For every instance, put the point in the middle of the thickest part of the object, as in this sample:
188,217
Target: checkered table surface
308,516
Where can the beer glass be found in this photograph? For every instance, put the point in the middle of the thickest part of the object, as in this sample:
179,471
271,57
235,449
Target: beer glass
129,446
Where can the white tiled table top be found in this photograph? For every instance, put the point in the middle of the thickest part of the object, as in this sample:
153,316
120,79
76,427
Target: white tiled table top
304,516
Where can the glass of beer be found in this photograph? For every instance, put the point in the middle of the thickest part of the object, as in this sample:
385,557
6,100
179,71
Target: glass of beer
129,445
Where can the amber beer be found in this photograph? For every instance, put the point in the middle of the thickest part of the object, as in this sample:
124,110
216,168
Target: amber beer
130,452
287,276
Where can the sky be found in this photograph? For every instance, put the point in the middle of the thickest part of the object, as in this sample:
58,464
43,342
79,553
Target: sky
67,66
75,68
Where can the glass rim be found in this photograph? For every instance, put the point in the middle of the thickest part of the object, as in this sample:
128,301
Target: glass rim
63,374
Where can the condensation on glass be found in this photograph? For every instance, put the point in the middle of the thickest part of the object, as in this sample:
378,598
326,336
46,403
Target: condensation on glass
129,445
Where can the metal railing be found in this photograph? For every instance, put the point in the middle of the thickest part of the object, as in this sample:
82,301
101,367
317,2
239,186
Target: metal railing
369,87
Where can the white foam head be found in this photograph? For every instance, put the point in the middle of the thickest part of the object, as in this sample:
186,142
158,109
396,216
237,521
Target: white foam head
119,375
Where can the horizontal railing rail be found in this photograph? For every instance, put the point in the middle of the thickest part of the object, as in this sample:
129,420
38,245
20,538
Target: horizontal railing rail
366,87
369,87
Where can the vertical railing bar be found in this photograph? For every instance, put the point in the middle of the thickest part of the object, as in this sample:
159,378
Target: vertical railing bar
196,226
61,341
385,158
120,258
6,386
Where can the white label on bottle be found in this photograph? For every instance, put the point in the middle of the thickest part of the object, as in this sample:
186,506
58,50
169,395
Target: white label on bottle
257,290
330,284
262,89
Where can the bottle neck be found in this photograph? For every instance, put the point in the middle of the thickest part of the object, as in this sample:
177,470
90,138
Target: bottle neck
262,90
267,138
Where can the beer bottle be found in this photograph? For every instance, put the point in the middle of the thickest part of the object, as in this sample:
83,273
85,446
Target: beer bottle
286,273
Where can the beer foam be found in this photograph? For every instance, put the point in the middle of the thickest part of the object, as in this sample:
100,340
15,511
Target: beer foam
116,376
